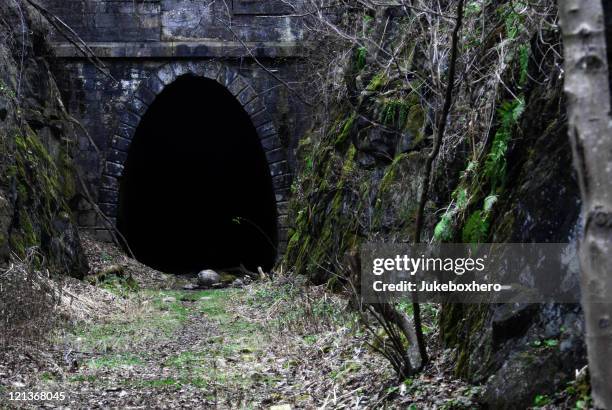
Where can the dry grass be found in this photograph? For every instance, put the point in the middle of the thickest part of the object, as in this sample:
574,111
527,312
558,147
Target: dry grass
28,302
103,255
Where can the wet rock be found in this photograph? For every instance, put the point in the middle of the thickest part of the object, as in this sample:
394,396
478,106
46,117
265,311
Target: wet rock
378,143
511,320
208,278
227,278
64,247
238,283
6,212
38,176
522,377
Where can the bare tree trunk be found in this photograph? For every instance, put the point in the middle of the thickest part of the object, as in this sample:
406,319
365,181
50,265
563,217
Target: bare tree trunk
590,125
435,151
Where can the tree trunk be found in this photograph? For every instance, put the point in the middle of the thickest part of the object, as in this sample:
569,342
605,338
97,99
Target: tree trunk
590,125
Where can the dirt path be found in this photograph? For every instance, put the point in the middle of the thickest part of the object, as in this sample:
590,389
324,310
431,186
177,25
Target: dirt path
217,349
272,345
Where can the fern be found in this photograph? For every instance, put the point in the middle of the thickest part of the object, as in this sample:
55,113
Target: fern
476,228
395,113
513,20
362,54
495,164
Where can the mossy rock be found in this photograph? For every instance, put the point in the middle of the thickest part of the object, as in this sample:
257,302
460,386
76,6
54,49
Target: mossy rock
227,278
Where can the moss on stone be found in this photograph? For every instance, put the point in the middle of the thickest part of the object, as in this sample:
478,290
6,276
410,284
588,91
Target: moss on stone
42,191
415,122
346,129
325,227
377,82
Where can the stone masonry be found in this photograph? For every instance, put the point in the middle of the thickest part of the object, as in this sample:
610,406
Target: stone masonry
245,45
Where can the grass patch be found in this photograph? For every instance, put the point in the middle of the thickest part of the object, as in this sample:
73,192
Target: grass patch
80,378
114,361
167,382
186,359
151,318
46,377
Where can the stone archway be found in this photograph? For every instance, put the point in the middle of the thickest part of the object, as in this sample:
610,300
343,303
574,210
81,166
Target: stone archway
243,92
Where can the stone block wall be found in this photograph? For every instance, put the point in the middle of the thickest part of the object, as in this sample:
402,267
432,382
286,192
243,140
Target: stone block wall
178,20
135,39
105,108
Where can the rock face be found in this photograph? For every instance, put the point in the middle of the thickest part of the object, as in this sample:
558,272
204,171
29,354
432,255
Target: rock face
237,283
208,278
360,181
37,179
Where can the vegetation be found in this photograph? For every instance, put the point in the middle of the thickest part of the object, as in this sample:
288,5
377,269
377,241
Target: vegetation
436,123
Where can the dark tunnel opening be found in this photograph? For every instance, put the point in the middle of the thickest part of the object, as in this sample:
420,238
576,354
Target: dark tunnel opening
196,190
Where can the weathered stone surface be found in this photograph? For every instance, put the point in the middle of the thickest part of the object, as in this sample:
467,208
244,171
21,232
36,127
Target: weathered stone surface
166,74
37,179
281,181
520,380
209,69
108,182
120,143
237,283
282,195
266,130
125,131
6,213
275,155
270,143
247,95
283,235
145,95
154,84
129,118
260,117
118,156
147,45
208,278
113,169
137,106
279,169
283,207
109,210
237,85
109,196
255,106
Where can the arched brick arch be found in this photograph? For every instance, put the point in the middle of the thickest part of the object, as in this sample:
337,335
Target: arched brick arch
251,102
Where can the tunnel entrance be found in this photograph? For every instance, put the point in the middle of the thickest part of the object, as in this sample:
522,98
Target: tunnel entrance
196,190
